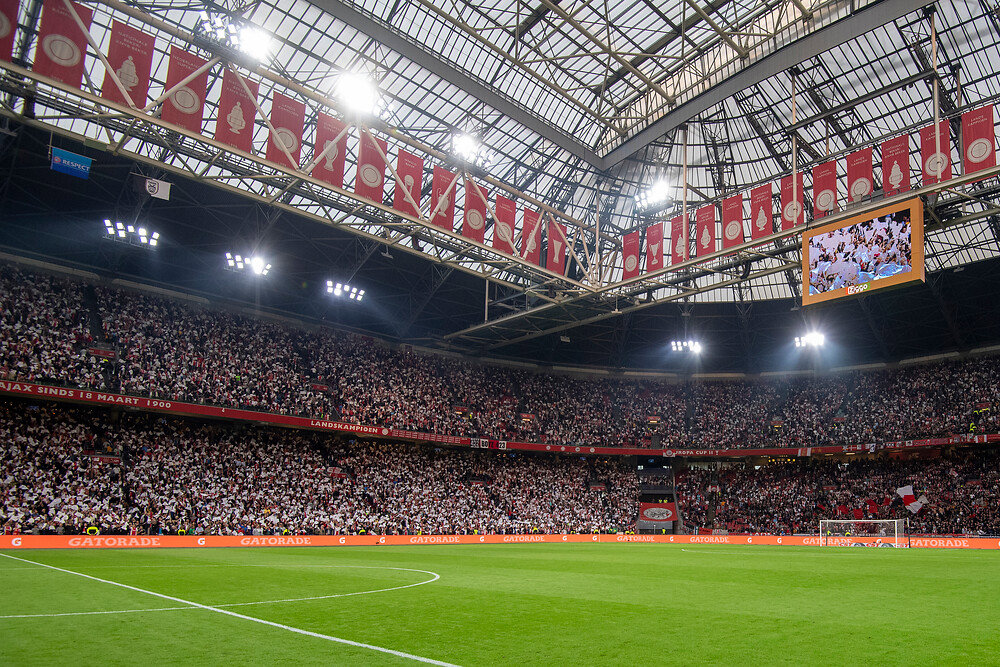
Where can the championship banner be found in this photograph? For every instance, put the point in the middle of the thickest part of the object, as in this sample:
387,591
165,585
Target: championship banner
8,25
370,180
654,247
936,164
761,212
793,210
288,117
236,112
503,230
186,105
896,165
330,169
679,241
555,256
824,189
630,255
409,170
704,235
732,221
664,512
130,54
531,243
859,174
61,45
475,212
443,186
978,139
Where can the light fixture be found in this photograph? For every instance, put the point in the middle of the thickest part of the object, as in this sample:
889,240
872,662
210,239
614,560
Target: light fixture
341,289
465,146
255,263
359,93
233,33
811,339
137,236
654,196
692,346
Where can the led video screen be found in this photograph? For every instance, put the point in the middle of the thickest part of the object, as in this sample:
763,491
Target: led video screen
864,253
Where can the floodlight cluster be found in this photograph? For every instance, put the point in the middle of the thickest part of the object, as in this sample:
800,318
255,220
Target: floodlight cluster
342,290
654,196
226,31
360,94
692,346
256,264
141,236
811,339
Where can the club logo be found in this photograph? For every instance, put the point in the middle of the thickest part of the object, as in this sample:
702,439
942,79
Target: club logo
61,50
658,514
370,176
185,100
287,139
979,150
936,164
630,263
475,219
825,199
791,212
861,188
733,229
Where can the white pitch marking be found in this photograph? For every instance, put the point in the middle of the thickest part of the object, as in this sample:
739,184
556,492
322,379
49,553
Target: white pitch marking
234,614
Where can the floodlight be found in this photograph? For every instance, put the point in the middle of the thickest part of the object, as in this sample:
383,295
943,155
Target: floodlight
693,346
811,339
656,194
465,146
131,229
359,93
254,42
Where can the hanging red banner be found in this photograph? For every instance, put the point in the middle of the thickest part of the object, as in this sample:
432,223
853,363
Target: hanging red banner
935,153
896,165
531,242
859,174
824,189
8,25
186,105
761,212
130,55
330,168
555,256
978,139
732,221
793,211
61,45
234,123
475,214
443,186
654,247
630,255
370,179
409,170
679,240
287,118
704,235
503,229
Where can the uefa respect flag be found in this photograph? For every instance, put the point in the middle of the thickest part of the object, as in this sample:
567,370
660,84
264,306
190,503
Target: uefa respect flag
73,164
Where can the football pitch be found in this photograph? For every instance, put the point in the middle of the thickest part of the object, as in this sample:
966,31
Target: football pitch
505,604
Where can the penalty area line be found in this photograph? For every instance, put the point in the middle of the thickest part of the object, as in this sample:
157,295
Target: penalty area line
226,612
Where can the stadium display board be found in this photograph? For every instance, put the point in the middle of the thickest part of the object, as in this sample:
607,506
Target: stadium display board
873,251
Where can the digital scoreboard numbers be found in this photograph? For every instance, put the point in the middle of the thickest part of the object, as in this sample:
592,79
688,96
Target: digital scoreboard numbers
873,251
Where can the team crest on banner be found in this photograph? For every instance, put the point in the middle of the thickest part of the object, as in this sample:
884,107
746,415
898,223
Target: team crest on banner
896,165
410,170
186,105
131,56
8,23
331,148
475,213
61,45
630,255
679,240
443,186
236,112
704,235
370,179
732,221
859,174
935,153
793,211
555,257
654,247
824,189
503,230
761,212
658,512
531,242
978,139
287,118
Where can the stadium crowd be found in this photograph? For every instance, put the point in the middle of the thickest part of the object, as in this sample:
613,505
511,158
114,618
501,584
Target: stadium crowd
176,350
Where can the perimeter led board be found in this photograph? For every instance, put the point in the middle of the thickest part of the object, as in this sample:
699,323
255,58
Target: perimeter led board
864,253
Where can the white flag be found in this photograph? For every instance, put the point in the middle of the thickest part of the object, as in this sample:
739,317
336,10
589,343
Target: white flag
158,189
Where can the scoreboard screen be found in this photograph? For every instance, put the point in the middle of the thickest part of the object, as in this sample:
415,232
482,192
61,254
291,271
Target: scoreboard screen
864,253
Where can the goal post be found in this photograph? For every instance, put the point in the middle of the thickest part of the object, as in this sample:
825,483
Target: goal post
863,532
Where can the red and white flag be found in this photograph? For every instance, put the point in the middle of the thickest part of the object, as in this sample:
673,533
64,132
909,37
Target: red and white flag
896,165
936,163
824,189
237,112
409,170
793,210
503,229
130,55
679,240
370,179
732,221
704,235
288,117
475,212
654,247
630,254
186,105
859,174
61,45
658,512
531,241
443,187
761,212
912,503
331,147
978,139
555,256
8,25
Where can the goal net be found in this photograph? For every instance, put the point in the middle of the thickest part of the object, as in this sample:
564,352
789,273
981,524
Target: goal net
866,532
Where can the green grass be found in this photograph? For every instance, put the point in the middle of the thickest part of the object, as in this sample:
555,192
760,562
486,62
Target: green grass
522,604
